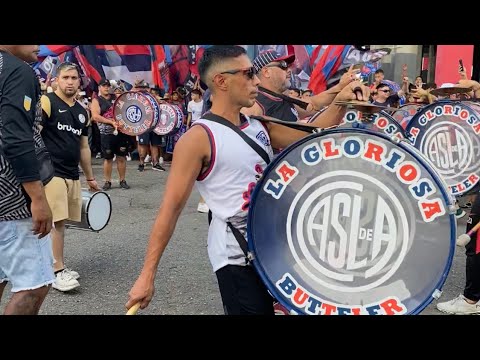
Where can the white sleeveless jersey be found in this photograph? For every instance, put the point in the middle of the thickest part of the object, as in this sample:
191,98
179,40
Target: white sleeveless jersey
228,184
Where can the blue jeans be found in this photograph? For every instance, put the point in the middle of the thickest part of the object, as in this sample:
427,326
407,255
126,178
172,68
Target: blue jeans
25,260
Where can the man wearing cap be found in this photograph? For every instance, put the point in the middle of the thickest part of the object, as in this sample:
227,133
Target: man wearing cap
102,113
274,73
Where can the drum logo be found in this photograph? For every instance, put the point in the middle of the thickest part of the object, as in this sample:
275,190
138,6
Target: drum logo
347,230
448,145
133,114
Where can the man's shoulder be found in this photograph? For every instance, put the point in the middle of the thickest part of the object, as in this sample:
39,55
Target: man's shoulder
11,64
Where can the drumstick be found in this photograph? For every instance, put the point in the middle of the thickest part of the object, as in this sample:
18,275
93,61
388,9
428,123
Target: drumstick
133,310
295,125
298,102
464,239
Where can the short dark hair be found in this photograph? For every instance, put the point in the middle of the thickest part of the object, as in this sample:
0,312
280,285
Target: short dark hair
381,85
215,54
379,71
196,91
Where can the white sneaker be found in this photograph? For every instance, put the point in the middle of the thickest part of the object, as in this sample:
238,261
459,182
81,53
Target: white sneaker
459,306
128,157
148,159
65,282
74,274
203,208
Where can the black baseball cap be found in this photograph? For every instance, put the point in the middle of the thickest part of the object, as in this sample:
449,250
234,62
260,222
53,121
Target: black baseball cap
104,81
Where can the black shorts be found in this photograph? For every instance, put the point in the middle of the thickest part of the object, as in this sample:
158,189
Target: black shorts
150,138
115,145
243,292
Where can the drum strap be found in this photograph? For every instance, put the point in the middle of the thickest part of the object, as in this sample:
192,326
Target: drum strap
220,120
258,149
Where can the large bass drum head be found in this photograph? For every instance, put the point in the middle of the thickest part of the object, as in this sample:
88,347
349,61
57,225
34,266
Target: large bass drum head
349,222
447,133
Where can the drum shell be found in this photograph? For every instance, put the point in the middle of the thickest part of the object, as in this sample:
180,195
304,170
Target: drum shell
84,223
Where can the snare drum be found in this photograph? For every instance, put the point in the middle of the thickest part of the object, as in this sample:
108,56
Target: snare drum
349,221
447,133
96,211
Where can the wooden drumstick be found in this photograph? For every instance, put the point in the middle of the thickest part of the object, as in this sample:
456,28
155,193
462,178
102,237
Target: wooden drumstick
464,239
133,310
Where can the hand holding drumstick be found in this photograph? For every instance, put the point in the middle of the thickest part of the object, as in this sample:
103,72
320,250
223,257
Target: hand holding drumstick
464,239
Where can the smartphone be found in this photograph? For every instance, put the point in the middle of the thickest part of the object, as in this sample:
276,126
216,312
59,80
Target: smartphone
461,65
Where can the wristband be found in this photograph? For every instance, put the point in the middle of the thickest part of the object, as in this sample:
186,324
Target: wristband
91,179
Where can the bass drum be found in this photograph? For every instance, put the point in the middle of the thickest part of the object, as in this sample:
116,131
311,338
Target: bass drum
171,120
381,122
406,113
136,112
344,221
447,133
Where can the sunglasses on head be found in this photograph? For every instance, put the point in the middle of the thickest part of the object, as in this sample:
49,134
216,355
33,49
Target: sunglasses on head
281,64
248,72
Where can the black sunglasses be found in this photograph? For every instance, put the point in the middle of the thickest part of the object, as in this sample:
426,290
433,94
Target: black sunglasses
385,91
281,64
248,72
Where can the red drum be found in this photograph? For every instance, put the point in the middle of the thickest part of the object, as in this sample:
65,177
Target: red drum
170,120
136,112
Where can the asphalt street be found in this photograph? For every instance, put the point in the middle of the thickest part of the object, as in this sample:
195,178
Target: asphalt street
110,261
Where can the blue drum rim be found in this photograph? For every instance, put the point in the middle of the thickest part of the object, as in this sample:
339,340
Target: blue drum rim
405,146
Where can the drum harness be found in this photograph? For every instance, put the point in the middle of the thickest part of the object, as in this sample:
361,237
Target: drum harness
263,154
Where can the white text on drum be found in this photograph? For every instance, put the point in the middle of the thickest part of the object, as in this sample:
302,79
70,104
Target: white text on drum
301,298
372,151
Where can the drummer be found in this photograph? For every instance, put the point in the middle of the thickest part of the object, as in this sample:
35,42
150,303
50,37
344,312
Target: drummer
114,143
225,169
274,72
65,132
149,140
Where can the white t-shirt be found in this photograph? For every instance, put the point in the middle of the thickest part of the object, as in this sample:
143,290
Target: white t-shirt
196,109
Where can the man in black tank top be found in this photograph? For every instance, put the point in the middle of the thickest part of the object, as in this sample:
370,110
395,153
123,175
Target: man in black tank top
65,132
114,143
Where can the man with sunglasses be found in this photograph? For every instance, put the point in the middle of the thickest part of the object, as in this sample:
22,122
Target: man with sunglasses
225,170
384,96
274,73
